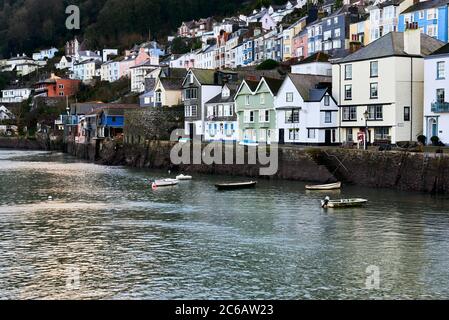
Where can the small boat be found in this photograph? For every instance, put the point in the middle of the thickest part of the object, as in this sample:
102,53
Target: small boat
182,177
342,203
235,186
164,183
330,186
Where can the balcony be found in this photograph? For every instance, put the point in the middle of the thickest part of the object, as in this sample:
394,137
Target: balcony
439,107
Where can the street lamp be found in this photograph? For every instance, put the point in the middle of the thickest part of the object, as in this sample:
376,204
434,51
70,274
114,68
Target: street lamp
366,116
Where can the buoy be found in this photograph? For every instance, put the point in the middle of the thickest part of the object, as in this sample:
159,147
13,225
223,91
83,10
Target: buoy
50,198
153,186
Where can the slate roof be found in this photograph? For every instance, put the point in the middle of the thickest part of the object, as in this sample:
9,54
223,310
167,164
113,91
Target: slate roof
274,84
426,5
220,99
306,84
172,83
316,57
443,50
204,76
391,44
252,84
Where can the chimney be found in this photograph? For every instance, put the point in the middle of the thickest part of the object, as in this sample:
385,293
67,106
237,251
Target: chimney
412,39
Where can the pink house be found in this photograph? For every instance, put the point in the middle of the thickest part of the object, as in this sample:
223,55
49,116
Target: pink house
131,60
300,45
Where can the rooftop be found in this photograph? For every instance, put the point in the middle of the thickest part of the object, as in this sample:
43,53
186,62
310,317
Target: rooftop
426,5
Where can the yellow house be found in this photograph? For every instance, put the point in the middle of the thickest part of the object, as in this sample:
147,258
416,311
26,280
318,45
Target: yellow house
287,37
168,92
360,31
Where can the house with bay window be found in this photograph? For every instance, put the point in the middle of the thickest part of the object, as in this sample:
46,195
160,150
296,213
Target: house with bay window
431,16
221,119
436,95
379,88
306,113
199,87
254,103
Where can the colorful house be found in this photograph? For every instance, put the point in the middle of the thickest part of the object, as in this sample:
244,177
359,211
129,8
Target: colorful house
57,87
254,103
436,95
431,16
221,120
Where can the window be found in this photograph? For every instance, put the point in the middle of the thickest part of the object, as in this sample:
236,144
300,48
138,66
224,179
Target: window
440,70
262,98
61,93
327,100
329,21
349,113
264,116
311,133
440,95
247,100
289,97
375,112
406,113
328,117
191,111
293,134
349,135
421,14
348,92
374,93
249,116
191,93
348,72
158,97
337,33
432,30
374,69
61,86
292,116
327,35
381,133
336,44
432,14
336,20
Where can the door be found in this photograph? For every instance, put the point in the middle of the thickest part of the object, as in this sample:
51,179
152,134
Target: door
328,137
281,136
191,131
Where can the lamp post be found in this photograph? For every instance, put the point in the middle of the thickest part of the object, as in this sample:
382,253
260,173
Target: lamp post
366,116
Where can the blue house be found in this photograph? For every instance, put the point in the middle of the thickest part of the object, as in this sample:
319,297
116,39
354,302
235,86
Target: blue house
431,16
110,120
248,51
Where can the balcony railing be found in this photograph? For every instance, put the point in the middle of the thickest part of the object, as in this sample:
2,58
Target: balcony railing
438,107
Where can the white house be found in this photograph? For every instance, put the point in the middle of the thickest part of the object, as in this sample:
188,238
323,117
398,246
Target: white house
380,89
88,55
5,114
21,64
15,95
138,74
221,120
306,113
66,62
436,95
45,54
108,52
317,64
205,58
86,70
110,71
184,61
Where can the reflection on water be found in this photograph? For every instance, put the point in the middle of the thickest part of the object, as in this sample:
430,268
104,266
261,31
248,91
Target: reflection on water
191,242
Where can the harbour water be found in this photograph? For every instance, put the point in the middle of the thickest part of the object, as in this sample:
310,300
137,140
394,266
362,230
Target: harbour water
107,235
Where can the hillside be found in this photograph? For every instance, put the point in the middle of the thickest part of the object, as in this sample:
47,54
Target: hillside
26,25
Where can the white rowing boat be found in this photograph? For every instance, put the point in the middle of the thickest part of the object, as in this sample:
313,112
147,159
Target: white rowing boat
182,177
342,203
330,186
164,183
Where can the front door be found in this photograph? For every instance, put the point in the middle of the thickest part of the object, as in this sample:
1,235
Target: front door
281,136
328,137
191,131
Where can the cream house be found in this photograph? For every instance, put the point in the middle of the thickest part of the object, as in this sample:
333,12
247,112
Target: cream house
168,92
380,87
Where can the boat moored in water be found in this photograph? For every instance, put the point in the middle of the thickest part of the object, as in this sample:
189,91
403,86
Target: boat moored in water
235,186
182,177
342,203
330,186
164,183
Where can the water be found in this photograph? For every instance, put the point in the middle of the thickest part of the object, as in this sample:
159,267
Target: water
126,241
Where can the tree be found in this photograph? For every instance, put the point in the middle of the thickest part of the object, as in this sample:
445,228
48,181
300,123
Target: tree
268,65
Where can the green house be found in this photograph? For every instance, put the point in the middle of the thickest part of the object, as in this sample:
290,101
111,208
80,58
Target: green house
254,103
